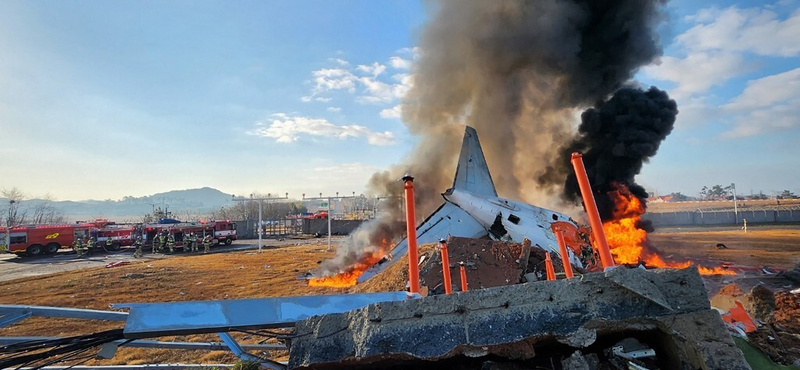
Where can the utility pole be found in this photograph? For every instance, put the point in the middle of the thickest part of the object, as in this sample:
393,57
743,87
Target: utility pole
328,199
268,198
735,207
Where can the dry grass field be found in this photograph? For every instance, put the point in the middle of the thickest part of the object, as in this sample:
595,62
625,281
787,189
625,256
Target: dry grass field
757,247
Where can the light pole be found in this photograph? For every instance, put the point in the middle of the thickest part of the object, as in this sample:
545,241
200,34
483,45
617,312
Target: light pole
260,200
328,199
735,206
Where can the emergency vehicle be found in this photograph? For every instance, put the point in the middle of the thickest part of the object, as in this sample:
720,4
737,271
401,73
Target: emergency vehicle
222,231
120,235
35,240
44,239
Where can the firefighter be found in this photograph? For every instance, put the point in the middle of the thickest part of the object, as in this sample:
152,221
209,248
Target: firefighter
190,243
162,240
207,244
195,242
89,246
109,244
138,244
78,246
171,242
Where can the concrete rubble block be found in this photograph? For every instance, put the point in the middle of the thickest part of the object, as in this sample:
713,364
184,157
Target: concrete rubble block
575,362
513,321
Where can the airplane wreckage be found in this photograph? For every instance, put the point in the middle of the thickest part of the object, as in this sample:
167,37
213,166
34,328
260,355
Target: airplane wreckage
619,318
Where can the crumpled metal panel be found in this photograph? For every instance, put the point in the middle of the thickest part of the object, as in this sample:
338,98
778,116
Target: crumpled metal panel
179,318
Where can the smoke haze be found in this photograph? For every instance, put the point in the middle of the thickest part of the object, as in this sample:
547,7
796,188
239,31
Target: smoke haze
517,71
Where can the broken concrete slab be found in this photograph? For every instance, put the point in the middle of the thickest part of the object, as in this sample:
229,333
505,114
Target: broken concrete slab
515,322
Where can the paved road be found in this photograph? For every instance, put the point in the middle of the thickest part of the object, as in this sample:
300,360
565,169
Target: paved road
14,267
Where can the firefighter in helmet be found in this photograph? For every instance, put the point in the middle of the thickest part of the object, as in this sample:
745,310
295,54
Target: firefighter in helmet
162,240
138,244
207,244
192,240
78,246
109,243
171,242
89,245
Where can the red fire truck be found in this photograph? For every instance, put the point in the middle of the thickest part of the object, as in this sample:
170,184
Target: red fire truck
121,235
223,231
44,239
37,240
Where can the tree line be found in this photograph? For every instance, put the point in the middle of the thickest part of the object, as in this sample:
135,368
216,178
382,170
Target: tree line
19,209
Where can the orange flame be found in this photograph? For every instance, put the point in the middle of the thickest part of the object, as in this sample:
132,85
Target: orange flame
349,277
628,242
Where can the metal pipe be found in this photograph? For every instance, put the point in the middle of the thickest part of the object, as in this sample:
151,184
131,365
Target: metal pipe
562,247
448,286
591,210
548,264
411,230
464,284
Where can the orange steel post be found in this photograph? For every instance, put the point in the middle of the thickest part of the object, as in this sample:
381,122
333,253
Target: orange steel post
562,247
411,232
591,210
448,286
463,278
548,264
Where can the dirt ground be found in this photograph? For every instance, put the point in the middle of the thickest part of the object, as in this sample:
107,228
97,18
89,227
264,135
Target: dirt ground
244,274
779,247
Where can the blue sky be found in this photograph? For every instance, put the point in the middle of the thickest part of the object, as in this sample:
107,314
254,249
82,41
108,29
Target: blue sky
104,99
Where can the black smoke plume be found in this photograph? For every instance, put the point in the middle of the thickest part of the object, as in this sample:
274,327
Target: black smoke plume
517,71
616,138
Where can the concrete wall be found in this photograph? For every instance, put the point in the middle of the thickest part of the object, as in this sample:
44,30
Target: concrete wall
698,218
338,227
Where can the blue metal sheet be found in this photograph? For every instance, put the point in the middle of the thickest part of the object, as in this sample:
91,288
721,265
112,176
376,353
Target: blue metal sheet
179,318
77,313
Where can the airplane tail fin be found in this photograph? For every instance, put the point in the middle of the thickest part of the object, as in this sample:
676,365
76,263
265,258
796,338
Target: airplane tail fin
472,173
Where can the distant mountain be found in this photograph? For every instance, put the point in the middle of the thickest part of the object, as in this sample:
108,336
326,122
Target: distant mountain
181,202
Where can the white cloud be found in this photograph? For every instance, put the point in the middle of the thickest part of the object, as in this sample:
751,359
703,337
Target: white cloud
334,109
697,72
752,30
369,80
399,63
768,91
767,104
286,129
715,47
415,52
393,112
333,79
340,61
374,69
377,91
